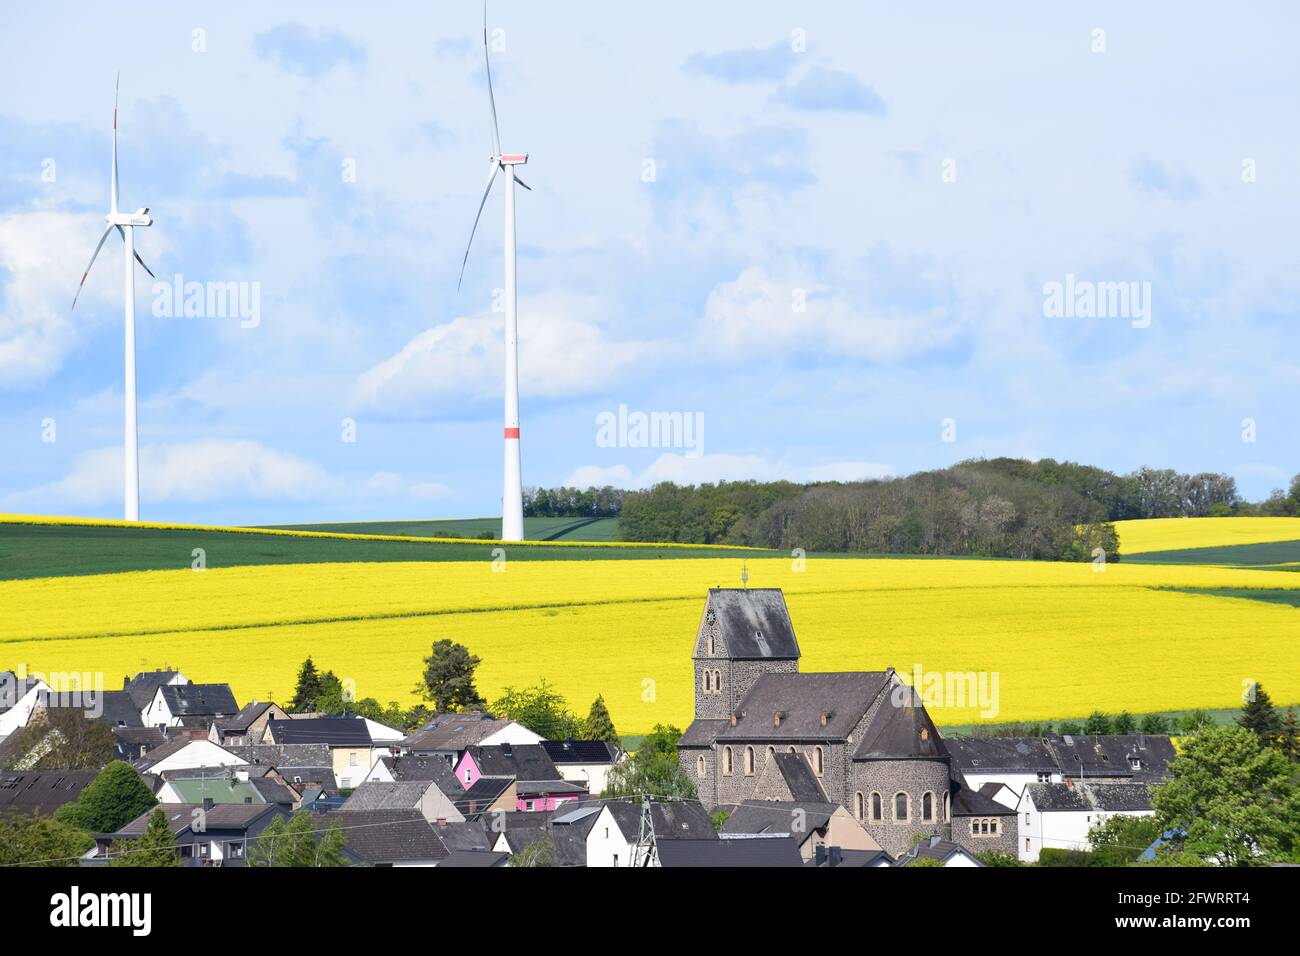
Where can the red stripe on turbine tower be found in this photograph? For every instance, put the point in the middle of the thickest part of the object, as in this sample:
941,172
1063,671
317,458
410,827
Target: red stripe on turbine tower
512,432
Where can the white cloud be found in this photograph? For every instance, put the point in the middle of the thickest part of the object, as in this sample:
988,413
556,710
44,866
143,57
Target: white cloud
563,351
43,254
687,469
757,314
208,470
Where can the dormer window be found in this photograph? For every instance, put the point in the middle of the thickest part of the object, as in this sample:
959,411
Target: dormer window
1135,762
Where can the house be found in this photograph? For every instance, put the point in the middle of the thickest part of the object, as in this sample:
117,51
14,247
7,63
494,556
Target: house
41,791
236,785
386,837
467,835
449,735
538,784
871,746
352,752
295,765
943,851
747,852
834,856
208,833
142,687
17,699
613,837
134,742
1114,758
422,795
1012,761
1059,815
111,707
984,823
585,762
811,825
489,797
193,706
512,832
184,753
248,726
432,771
474,858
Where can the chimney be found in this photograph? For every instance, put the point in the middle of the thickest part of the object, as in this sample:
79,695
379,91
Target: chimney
826,716
734,717
820,854
835,855
935,839
442,821
776,718
208,803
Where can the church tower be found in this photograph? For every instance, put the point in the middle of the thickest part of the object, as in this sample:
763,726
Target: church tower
743,634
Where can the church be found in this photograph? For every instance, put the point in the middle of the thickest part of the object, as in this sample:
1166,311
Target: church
764,731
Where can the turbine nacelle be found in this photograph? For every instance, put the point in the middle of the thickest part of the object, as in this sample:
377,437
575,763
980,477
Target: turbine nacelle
511,159
138,218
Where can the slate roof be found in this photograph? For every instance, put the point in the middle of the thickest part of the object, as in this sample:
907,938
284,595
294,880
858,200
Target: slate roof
754,623
13,689
701,732
131,739
222,816
579,751
485,791
801,699
849,858
335,731
474,858
1110,797
453,732
772,816
934,849
764,852
1107,755
986,755
163,751
113,707
469,835
521,761
434,769
247,715
41,791
672,819
386,836
901,729
534,788
273,791
380,795
199,700
977,803
142,687
799,777
282,756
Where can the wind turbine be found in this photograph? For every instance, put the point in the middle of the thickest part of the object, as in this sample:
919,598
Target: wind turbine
125,224
512,499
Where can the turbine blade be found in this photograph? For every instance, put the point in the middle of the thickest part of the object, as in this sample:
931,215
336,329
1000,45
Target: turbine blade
137,255
522,183
93,256
487,62
482,202
116,85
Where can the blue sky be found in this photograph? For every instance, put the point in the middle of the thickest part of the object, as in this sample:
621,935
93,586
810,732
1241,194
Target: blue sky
912,182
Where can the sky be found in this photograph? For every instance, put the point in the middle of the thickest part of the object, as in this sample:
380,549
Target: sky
827,235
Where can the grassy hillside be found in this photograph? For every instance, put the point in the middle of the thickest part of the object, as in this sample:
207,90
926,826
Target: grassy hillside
535,529
47,549
1062,638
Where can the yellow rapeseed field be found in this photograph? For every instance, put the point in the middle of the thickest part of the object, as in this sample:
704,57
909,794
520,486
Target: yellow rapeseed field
1063,638
1174,534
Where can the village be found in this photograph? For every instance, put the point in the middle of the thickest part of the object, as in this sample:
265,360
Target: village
779,768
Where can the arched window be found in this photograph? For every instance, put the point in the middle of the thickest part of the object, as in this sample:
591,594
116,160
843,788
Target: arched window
858,808
708,682
947,808
726,761
771,752
927,806
877,808
900,807
819,761
717,681
700,766
749,761
712,646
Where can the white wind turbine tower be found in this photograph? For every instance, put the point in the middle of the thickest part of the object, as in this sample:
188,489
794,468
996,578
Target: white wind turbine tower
125,224
512,500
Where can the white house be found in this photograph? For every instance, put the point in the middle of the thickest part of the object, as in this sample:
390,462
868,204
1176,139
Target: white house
183,753
18,697
172,702
612,839
586,762
1058,816
1014,762
945,852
